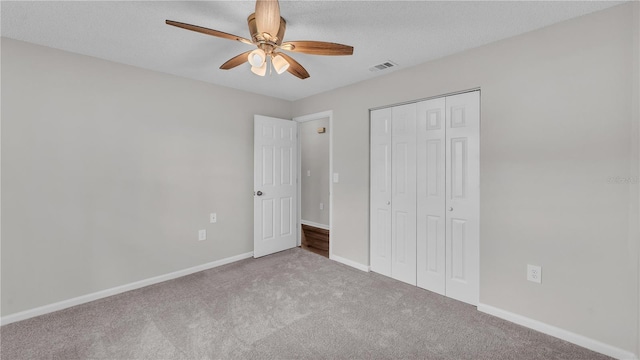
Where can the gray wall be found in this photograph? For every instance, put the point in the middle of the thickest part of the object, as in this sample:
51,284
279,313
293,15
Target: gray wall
108,172
315,158
557,123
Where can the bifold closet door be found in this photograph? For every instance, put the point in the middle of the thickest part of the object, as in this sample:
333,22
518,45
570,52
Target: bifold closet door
425,186
463,196
403,193
380,201
431,197
448,131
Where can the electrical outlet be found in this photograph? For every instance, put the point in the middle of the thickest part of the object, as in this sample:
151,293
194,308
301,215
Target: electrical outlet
336,177
213,218
321,206
202,235
308,172
534,273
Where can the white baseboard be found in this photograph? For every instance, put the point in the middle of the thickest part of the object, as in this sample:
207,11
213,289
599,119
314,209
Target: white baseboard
565,335
314,224
23,315
348,262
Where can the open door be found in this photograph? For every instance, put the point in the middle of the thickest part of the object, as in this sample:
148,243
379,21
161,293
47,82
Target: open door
275,171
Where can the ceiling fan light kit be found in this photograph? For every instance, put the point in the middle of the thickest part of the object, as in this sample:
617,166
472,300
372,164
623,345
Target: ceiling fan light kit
279,64
260,70
267,28
257,57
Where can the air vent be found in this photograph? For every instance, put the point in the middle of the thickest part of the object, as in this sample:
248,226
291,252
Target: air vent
385,65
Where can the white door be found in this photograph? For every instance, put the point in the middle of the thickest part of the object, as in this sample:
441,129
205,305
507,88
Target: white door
403,190
380,202
431,195
275,170
463,196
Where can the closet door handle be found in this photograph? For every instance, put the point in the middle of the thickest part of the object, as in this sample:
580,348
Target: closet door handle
450,209
388,202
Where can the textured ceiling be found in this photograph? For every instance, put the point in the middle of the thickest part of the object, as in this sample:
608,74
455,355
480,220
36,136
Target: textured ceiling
408,33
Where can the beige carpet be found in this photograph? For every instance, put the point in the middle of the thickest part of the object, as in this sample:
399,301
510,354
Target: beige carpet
290,305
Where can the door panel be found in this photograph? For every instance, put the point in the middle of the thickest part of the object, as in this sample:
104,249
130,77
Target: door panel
458,247
268,164
431,197
403,189
286,225
380,202
275,148
286,161
463,196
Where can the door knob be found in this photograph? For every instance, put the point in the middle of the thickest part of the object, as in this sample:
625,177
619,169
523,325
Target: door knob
259,193
450,209
388,202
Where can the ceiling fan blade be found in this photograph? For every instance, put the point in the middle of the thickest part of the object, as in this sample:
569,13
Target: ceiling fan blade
207,31
294,67
268,16
317,48
236,60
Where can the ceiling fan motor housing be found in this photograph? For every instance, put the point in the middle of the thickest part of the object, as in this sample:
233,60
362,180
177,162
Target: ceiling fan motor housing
266,38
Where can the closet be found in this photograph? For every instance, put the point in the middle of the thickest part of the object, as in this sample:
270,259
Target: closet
424,205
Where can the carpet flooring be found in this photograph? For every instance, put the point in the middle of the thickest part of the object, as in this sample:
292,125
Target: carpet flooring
290,305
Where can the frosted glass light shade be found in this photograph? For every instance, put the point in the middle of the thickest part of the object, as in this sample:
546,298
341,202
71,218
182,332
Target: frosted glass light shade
257,58
279,64
260,70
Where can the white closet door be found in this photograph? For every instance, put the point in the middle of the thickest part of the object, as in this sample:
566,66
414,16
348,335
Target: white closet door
431,195
403,200
380,202
463,196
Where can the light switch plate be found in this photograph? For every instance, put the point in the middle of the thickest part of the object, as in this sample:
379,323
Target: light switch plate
336,177
213,218
202,235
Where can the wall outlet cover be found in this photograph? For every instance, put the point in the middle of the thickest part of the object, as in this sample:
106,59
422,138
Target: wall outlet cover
213,218
534,273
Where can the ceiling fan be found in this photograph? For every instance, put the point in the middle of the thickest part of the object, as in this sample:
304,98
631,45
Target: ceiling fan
267,28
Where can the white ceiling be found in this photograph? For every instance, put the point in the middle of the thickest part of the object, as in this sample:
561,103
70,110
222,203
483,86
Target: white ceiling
406,32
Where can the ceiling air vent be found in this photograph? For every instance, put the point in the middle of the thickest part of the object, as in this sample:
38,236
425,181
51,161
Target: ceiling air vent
385,65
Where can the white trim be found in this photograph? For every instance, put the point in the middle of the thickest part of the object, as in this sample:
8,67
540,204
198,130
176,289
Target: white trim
315,224
348,262
23,315
425,99
301,119
315,116
559,333
331,181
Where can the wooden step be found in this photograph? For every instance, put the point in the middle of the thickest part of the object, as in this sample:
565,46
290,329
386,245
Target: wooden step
315,239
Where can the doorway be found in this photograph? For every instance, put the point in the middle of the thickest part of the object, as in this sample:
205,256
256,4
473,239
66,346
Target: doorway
315,186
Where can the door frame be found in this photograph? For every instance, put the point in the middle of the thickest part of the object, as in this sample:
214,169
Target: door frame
302,119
